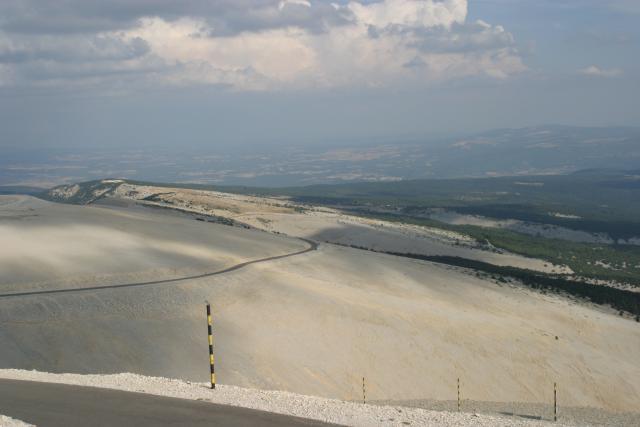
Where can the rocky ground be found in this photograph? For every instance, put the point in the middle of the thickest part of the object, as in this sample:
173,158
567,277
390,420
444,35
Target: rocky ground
11,422
532,411
312,324
328,410
325,224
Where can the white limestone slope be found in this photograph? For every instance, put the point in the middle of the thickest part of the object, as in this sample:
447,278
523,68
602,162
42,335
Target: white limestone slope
329,225
312,324
49,245
12,422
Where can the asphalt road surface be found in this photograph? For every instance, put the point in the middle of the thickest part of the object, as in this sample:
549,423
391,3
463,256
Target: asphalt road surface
312,247
47,404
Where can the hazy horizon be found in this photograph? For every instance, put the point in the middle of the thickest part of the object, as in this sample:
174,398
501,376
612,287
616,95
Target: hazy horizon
541,150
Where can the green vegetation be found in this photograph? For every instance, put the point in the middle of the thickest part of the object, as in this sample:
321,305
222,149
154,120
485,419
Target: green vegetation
592,201
607,262
86,192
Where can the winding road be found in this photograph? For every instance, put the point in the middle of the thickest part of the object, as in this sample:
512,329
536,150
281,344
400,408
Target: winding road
312,247
60,405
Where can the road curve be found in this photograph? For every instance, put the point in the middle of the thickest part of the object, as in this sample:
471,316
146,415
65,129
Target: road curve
312,247
61,405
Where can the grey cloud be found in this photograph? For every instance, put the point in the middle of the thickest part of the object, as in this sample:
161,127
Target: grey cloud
39,24
74,61
67,72
416,62
224,17
79,39
235,18
75,49
87,39
462,38
70,17
374,32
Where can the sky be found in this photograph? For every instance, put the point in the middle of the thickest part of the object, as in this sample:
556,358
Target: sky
239,73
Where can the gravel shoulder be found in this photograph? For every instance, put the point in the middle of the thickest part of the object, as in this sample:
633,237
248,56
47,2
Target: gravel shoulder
582,416
316,408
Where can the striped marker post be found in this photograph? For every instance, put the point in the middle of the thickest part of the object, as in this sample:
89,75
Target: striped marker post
555,402
364,393
210,333
458,394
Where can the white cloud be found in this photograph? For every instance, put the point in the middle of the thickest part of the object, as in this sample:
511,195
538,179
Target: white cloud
284,3
412,13
596,71
297,44
372,50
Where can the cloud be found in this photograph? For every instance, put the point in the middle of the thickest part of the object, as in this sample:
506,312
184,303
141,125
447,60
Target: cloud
250,44
73,50
467,37
221,16
410,13
596,71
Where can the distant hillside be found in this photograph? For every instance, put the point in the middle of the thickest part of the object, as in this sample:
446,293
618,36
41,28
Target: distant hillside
596,200
81,193
595,195
539,150
19,189
506,152
588,220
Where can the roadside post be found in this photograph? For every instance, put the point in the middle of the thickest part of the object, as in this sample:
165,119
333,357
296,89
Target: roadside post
364,394
555,402
210,336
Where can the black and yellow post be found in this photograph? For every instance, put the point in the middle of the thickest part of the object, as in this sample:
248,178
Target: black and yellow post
555,402
364,393
211,364
458,394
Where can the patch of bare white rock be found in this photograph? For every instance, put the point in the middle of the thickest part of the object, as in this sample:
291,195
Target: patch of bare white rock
317,408
12,422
